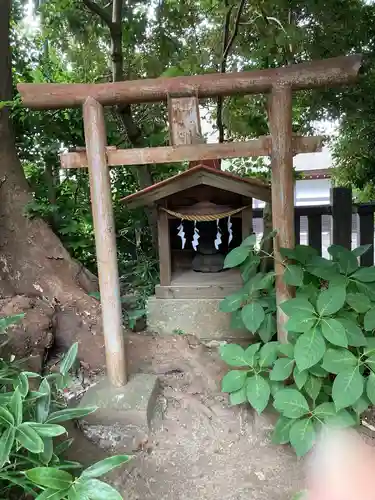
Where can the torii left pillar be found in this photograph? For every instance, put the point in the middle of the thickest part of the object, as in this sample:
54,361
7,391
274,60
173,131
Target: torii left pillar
105,241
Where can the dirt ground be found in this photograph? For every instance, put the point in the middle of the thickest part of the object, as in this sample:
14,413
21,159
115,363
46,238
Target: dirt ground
202,448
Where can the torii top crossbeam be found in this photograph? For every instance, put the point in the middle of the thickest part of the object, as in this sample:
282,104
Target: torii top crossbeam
278,83
327,72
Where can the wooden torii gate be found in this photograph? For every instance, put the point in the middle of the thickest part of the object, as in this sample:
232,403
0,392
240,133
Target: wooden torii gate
281,146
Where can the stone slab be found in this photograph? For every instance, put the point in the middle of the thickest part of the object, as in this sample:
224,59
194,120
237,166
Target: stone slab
133,405
199,317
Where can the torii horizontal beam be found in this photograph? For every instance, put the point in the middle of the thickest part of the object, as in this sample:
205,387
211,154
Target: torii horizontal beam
330,72
171,154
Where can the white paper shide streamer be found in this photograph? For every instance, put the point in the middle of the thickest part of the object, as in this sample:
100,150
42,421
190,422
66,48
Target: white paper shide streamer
194,243
218,235
230,232
181,234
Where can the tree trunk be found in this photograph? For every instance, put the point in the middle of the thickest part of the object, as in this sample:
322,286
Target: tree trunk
33,261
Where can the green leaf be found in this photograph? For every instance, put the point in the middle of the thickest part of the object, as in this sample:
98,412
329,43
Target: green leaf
69,359
97,490
337,360
293,275
324,411
249,267
43,405
369,320
282,369
258,392
63,446
10,320
47,453
342,419
250,241
361,405
69,414
370,348
236,322
233,355
347,387
251,354
291,403
268,328
300,378
238,397
6,418
301,253
49,477
15,406
334,332
233,380
318,371
286,350
22,383
330,301
353,333
302,436
281,431
313,386
370,387
6,443
104,466
298,305
47,430
268,354
361,250
348,262
236,256
358,301
53,495
365,274
309,349
322,268
300,322
29,438
252,316
233,302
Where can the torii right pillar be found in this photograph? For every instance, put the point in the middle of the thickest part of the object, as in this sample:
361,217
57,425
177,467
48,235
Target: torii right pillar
280,123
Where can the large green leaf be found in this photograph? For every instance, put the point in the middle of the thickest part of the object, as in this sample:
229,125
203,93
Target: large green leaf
50,494
348,262
353,332
233,380
268,354
47,453
29,438
302,436
251,354
232,302
69,414
361,250
337,360
249,267
342,419
258,392
47,430
104,466
300,377
369,320
293,275
322,268
370,387
361,405
238,397
281,431
252,316
96,490
233,355
6,443
236,322
22,383
301,322
334,332
365,274
282,369
330,300
268,328
15,406
313,386
298,305
43,404
291,403
309,349
358,301
250,241
347,387
286,350
324,410
236,256
69,359
6,418
49,477
301,253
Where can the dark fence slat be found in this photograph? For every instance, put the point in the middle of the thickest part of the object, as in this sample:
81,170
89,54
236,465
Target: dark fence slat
297,228
342,208
314,224
366,236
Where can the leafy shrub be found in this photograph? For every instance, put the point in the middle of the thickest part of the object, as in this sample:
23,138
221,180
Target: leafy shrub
326,373
30,461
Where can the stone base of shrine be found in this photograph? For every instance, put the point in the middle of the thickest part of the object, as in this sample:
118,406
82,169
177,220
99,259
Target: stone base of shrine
194,316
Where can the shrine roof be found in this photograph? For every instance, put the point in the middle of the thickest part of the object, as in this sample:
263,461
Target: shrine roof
200,175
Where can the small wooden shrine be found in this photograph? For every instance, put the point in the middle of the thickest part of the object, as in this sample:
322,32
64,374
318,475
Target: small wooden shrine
203,213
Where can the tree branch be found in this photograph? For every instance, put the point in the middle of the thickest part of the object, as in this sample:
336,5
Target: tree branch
96,9
235,29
